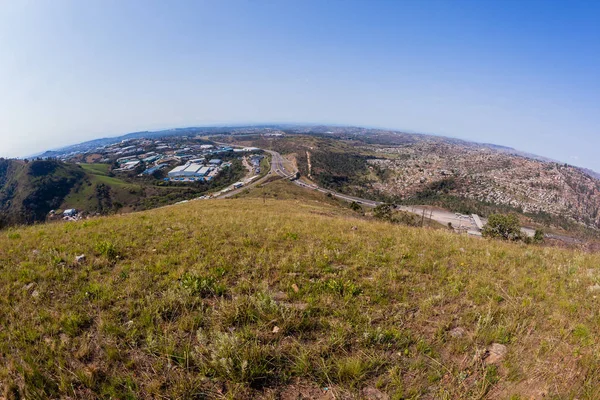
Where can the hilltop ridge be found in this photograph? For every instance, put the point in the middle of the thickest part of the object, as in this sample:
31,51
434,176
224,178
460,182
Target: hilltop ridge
261,298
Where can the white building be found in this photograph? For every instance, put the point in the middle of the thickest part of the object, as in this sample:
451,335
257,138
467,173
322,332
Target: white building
204,170
177,171
188,171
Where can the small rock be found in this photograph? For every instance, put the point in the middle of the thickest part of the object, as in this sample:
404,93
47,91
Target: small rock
35,252
279,296
594,288
297,306
457,332
29,286
495,353
371,393
80,258
354,228
275,329
295,287
64,339
35,294
462,250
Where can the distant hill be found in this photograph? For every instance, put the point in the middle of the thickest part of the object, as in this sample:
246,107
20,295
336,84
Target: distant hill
451,173
29,190
409,164
189,131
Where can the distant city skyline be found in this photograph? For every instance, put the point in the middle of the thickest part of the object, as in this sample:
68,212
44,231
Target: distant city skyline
518,74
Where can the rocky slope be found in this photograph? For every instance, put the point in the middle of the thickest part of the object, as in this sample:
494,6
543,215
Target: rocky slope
482,173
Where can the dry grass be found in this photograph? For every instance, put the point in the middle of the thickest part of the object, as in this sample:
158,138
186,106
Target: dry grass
240,298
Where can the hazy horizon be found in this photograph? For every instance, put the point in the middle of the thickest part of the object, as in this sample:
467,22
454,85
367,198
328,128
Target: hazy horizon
522,75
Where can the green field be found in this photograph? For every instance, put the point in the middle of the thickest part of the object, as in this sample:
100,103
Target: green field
265,297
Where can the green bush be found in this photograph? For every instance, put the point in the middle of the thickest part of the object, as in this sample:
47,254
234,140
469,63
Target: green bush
538,237
503,226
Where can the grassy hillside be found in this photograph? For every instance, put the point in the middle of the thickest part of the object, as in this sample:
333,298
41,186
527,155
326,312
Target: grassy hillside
265,298
101,192
29,190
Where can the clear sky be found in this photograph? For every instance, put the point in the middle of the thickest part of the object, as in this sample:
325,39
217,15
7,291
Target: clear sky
520,73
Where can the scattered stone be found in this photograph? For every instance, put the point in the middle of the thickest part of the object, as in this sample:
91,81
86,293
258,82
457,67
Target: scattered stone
280,296
276,329
495,353
297,306
462,250
80,258
354,228
35,252
29,286
64,339
591,272
295,287
457,332
35,294
371,393
594,288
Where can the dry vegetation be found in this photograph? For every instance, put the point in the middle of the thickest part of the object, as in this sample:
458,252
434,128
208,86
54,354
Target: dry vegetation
258,297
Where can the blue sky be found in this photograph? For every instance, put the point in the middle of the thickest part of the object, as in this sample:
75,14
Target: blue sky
520,73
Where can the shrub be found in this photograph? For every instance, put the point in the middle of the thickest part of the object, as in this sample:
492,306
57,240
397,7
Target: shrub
538,237
384,212
503,226
356,207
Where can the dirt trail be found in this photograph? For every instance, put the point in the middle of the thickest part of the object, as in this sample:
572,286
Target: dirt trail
309,165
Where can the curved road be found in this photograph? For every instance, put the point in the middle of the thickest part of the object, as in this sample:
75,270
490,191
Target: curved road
282,167
465,222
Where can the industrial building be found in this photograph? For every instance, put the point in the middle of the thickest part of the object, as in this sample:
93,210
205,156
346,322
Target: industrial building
152,170
189,171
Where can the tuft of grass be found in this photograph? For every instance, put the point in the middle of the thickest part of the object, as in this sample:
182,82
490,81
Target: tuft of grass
202,286
108,250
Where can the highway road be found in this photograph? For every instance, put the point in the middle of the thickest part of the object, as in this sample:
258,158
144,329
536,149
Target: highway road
458,221
282,167
278,165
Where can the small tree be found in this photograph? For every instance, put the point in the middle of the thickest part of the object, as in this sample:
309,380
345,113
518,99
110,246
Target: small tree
384,211
356,207
503,226
539,235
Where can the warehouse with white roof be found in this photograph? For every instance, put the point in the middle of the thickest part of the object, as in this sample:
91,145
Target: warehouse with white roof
189,171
